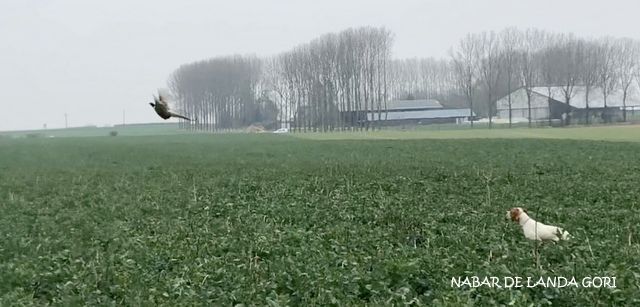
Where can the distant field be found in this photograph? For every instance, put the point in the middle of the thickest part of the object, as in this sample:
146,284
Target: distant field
276,220
624,133
127,130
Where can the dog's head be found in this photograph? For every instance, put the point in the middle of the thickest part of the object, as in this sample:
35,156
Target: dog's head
515,213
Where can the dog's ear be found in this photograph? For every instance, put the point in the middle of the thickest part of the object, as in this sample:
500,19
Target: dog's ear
515,214
525,210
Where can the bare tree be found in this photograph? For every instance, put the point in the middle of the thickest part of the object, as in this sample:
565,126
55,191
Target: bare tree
510,39
531,65
489,66
626,58
466,73
606,72
566,56
588,70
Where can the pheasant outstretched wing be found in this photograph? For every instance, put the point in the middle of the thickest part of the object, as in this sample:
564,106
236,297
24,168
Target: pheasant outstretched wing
163,100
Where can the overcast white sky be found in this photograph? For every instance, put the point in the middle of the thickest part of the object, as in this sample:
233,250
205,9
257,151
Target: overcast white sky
94,59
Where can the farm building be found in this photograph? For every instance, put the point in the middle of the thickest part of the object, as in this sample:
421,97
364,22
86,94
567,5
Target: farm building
414,112
421,117
550,102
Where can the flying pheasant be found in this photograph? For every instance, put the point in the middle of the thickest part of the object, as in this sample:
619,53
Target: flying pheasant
162,108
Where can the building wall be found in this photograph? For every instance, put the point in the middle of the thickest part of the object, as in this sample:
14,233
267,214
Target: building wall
539,106
536,113
596,115
573,115
415,122
519,100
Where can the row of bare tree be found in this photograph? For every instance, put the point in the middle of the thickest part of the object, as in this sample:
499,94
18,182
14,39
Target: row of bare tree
333,82
490,65
337,80
342,81
221,93
420,78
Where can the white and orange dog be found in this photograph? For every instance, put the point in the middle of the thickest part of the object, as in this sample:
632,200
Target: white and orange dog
535,230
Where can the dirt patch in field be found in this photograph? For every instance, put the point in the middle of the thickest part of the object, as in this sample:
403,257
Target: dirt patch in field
255,129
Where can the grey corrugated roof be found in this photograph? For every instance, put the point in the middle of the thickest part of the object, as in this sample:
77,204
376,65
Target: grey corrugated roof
578,97
596,99
425,114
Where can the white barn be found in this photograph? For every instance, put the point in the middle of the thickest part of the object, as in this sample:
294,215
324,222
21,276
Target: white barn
551,100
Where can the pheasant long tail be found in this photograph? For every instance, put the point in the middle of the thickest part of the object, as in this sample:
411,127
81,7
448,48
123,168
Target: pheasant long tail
180,116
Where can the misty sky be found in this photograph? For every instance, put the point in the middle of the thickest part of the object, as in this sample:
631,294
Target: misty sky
94,59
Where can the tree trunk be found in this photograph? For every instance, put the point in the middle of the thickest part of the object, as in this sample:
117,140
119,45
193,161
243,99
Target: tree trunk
509,99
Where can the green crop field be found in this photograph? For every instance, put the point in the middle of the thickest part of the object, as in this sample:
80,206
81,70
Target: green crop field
279,220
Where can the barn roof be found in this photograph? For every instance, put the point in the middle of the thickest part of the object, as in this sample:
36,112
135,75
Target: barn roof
422,114
578,96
